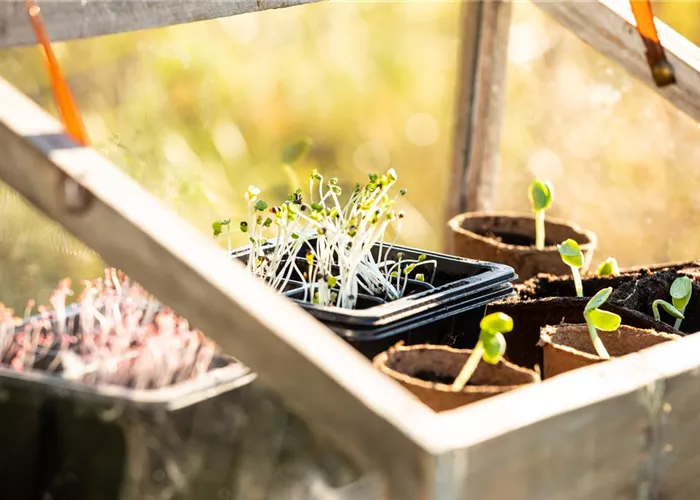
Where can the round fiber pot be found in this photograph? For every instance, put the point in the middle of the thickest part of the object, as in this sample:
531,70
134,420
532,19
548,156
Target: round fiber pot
429,370
640,294
567,347
530,316
510,239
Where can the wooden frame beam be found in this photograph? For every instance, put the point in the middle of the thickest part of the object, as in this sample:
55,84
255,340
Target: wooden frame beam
609,27
72,19
479,105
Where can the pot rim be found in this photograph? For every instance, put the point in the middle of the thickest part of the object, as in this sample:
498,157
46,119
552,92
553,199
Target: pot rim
380,362
548,331
455,224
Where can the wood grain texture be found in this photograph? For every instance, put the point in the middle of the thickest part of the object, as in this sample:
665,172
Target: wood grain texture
71,19
481,88
315,372
609,27
622,429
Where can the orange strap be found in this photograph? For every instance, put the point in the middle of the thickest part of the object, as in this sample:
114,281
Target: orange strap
64,100
661,69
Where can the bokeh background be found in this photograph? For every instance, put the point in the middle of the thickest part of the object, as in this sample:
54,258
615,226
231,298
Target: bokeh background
198,112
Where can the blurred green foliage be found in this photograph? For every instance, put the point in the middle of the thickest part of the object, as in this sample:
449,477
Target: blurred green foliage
198,112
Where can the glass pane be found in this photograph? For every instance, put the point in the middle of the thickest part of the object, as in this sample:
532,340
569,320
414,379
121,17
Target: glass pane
624,162
198,112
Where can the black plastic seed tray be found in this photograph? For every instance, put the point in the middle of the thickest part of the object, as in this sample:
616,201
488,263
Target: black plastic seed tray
455,278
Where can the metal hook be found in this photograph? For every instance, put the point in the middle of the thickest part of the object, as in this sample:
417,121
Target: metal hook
661,69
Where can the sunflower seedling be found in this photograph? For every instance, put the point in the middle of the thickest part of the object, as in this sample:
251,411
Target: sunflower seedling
681,289
608,268
572,256
596,319
541,196
490,347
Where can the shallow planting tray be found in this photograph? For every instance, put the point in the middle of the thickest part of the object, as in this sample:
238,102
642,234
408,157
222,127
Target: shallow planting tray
449,302
110,442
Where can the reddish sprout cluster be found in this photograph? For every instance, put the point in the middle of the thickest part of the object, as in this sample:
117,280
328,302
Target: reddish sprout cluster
114,333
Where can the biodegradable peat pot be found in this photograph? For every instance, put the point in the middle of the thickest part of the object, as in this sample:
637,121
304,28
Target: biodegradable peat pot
568,347
640,294
530,316
428,370
509,238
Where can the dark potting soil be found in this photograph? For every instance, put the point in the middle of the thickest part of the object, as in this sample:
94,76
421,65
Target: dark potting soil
435,378
549,285
640,294
531,315
511,239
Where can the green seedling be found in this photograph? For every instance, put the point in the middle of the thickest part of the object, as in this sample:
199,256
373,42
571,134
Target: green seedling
217,229
669,308
596,319
541,197
608,268
681,289
490,347
572,256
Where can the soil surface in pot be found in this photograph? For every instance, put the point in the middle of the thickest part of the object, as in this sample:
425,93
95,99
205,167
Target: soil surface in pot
568,347
550,285
640,294
519,240
428,372
530,316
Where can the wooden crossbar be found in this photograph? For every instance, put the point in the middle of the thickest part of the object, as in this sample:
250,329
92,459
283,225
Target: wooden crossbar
71,19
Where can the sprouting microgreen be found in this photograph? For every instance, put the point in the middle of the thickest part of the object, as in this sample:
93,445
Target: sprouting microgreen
572,256
490,347
217,229
669,308
541,194
341,234
597,319
681,290
608,267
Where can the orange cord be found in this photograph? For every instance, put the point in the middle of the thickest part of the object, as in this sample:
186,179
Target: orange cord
64,100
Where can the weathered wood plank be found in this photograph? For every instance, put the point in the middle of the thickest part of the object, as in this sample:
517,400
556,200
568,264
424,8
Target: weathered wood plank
609,27
71,19
481,90
622,429
314,371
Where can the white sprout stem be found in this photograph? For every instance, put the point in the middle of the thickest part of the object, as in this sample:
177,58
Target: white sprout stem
597,343
577,281
539,229
469,367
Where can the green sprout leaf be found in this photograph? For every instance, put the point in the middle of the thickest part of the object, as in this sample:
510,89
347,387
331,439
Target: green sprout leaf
494,348
217,226
669,308
608,268
420,277
244,227
681,289
541,195
496,323
604,320
260,205
296,151
571,253
598,299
